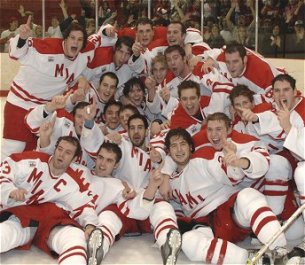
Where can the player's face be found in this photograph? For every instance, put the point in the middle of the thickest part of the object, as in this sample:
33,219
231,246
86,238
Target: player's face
159,71
174,35
217,132
242,102
121,55
105,163
180,150
145,34
73,44
190,101
283,93
124,116
235,63
176,63
107,89
111,116
137,132
79,119
136,95
63,155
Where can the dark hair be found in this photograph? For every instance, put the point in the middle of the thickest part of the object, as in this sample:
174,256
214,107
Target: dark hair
179,132
187,84
183,27
112,147
138,116
111,103
241,90
126,40
111,75
73,140
80,105
144,21
172,48
236,47
219,116
284,77
74,26
130,107
134,81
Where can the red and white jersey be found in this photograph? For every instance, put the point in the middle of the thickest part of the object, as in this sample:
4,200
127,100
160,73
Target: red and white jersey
294,140
257,75
109,191
64,126
103,62
45,70
31,171
135,166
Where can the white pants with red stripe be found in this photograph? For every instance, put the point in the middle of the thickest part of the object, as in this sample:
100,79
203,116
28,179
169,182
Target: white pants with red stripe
162,219
276,182
67,241
299,178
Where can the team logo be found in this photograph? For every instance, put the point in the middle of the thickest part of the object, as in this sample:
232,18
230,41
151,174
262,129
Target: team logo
67,124
50,58
32,163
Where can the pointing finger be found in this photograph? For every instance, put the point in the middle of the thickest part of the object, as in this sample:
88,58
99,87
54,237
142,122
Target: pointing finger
28,22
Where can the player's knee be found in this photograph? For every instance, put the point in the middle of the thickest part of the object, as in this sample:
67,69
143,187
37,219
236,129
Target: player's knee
9,147
70,235
299,177
162,210
111,220
280,168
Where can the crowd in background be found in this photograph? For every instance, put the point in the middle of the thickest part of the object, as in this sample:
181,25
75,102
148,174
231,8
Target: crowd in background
280,24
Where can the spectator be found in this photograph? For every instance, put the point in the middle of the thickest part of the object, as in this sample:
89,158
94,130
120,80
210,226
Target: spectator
225,31
295,42
216,40
37,32
273,44
54,30
11,32
90,26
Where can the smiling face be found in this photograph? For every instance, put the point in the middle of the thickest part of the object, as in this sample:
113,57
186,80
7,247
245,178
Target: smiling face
136,95
283,93
124,116
159,71
235,63
217,132
190,101
73,43
111,116
79,119
180,151
105,163
121,55
174,34
242,102
107,88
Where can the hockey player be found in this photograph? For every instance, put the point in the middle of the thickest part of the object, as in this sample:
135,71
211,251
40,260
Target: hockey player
51,121
219,213
49,66
46,201
118,215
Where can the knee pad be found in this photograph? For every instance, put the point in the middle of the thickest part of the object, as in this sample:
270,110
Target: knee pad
280,168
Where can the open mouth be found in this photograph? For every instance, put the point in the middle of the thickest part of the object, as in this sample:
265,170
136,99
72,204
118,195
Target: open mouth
74,49
216,141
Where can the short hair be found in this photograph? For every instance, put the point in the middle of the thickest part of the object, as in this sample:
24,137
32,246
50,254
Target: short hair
111,75
241,90
134,81
73,140
112,147
111,103
74,26
183,27
285,77
159,58
236,47
187,84
80,105
144,21
129,107
138,116
172,48
126,40
219,116
179,132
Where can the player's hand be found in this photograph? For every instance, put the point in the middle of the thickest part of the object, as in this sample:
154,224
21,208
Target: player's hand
283,115
208,65
114,137
25,29
156,178
165,188
57,102
165,125
150,84
247,115
90,111
155,156
165,93
128,193
18,194
46,129
110,31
